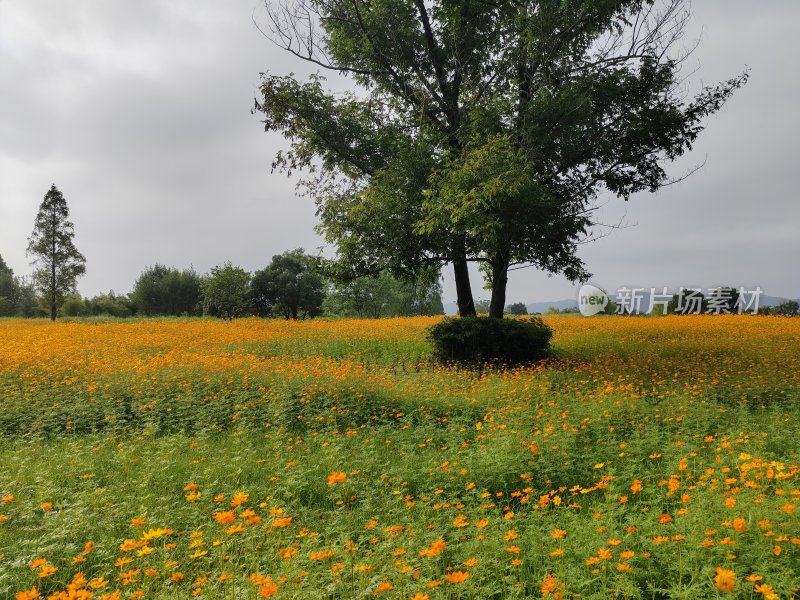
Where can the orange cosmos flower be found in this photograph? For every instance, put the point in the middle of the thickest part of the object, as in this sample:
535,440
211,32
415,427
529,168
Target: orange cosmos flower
282,522
725,580
460,521
435,549
268,588
30,594
457,576
550,586
386,586
226,517
239,498
336,477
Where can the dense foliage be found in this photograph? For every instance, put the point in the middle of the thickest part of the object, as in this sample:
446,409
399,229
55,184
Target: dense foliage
226,292
290,286
481,340
166,291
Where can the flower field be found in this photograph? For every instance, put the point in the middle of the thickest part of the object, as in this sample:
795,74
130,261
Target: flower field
649,458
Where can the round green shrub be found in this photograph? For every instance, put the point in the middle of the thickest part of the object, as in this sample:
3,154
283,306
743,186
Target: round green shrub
484,339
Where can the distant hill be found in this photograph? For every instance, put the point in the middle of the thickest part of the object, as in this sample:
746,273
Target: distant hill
542,307
451,308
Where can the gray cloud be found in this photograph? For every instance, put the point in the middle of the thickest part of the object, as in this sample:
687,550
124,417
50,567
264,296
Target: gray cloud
139,112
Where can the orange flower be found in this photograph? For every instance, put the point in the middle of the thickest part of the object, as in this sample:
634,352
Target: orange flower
239,498
268,588
551,586
384,587
30,594
435,549
282,522
460,521
558,533
47,571
336,477
227,517
739,524
457,576
725,580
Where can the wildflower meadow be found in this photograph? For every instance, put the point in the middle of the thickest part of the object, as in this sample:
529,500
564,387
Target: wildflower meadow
647,458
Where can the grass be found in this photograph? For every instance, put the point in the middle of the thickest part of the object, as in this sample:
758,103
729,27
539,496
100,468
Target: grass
652,458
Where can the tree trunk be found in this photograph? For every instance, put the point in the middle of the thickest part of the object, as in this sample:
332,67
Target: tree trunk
499,282
53,290
466,305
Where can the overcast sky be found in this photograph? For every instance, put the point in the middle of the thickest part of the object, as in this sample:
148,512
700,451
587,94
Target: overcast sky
139,113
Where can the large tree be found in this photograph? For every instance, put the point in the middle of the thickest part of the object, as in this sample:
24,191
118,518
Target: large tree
162,290
290,286
480,131
57,260
226,292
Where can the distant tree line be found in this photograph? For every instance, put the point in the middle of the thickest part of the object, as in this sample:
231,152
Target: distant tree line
291,286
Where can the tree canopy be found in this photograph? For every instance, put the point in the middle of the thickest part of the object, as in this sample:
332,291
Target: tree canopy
480,131
226,292
289,286
57,260
161,290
